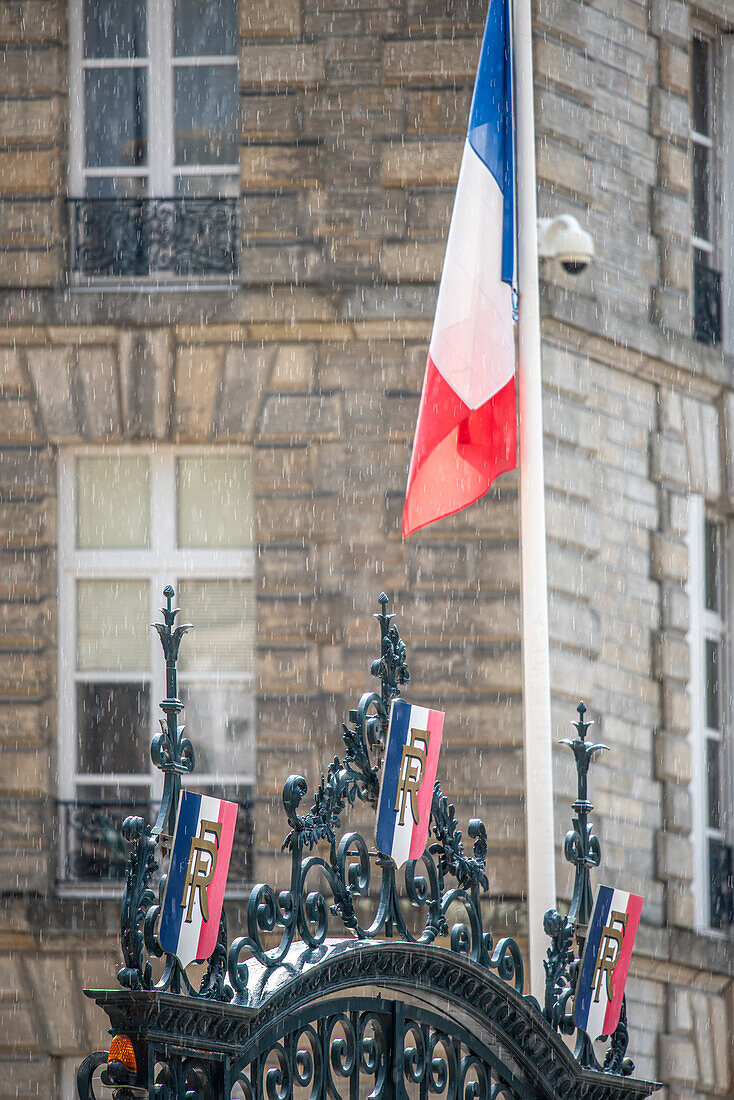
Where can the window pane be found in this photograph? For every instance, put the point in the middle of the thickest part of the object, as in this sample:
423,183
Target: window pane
116,117
209,186
214,502
721,884
113,721
712,685
713,780
116,187
711,565
206,114
114,28
204,27
223,614
112,626
112,503
701,184
220,722
700,96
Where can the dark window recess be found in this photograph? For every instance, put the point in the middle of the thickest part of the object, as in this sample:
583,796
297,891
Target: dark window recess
706,304
103,709
93,850
141,237
721,883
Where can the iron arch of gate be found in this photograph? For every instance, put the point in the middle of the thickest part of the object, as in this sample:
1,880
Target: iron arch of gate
349,1020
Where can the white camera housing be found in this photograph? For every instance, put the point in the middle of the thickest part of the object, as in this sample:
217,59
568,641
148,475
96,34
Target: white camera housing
563,239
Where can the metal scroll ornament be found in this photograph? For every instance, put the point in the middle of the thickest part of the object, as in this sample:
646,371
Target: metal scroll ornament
336,876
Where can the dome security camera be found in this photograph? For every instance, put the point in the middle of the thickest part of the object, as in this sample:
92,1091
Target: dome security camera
563,239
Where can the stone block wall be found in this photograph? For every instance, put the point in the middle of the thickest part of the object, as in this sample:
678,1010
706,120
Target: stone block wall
352,123
33,113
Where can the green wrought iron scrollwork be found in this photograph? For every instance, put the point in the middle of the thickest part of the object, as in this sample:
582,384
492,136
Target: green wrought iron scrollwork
345,873
136,899
560,971
349,878
302,911
582,849
381,1051
174,755
391,666
469,870
171,751
356,776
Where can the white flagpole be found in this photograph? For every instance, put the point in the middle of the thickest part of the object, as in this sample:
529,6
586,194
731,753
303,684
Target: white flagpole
539,830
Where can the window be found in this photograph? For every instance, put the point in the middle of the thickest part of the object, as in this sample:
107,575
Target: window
131,522
711,719
706,268
154,136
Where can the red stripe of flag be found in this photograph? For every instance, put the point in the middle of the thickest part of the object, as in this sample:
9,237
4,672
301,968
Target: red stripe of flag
458,452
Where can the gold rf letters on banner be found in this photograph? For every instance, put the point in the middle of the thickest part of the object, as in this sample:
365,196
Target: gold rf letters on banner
201,867
410,774
609,951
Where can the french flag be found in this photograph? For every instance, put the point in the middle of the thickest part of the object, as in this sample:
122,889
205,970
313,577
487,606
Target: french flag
408,774
607,954
466,433
202,848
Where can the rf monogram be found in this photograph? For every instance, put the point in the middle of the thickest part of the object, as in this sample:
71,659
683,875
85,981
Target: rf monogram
410,774
201,867
610,949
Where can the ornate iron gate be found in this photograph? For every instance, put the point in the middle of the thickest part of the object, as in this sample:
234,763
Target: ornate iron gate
398,1010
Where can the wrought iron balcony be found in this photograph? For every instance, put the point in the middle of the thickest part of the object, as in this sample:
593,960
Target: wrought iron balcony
188,238
93,850
706,304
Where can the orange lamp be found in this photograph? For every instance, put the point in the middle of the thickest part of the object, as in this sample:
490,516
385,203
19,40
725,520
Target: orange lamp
122,1051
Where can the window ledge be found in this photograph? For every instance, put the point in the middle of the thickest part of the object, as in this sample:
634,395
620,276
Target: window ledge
142,285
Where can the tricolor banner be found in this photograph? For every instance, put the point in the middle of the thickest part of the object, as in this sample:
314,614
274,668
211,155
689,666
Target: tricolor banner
606,960
409,772
466,433
192,903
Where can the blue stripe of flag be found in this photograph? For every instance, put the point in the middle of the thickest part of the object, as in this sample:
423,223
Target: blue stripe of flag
584,989
187,827
399,727
490,120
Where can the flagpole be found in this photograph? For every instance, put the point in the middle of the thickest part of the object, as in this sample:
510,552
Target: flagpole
539,830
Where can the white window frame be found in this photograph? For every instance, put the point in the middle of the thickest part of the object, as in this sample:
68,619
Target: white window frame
705,625
160,64
161,563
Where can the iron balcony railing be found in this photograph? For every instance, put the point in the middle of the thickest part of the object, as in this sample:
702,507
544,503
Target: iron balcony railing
706,304
188,238
93,851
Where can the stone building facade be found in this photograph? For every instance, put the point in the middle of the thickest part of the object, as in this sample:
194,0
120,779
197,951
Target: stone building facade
305,365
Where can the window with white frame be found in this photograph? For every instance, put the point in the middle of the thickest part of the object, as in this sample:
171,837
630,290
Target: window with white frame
153,158
132,521
711,718
153,97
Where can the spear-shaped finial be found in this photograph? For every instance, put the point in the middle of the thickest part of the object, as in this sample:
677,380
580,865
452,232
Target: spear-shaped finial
581,847
170,750
391,666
